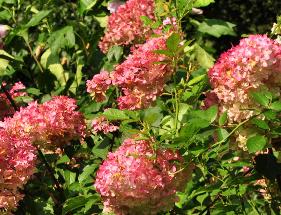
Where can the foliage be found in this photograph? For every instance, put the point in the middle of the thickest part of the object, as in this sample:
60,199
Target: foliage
52,48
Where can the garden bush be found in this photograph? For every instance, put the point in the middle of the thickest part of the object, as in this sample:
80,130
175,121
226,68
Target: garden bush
138,107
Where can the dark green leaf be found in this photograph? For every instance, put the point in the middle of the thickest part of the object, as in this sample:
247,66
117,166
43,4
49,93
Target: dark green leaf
73,204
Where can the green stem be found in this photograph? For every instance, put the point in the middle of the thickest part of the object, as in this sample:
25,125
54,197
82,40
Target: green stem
34,57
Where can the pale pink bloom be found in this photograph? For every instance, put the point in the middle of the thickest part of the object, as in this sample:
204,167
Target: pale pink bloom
101,124
136,179
252,65
170,21
114,5
125,26
196,11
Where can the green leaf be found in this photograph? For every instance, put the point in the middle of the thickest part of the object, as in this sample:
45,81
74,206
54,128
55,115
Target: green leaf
33,91
35,20
115,53
164,52
197,79
63,159
68,176
87,171
146,20
3,66
183,6
210,114
85,5
173,42
223,118
204,58
5,15
260,123
256,143
153,116
222,134
115,114
216,27
62,38
78,78
5,54
73,204
260,97
58,71
101,149
276,106
202,3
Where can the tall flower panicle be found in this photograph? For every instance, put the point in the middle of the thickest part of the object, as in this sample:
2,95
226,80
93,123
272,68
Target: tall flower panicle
125,25
253,65
49,125
6,108
136,179
17,163
141,77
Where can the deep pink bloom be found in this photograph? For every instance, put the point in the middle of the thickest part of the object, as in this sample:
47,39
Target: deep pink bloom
125,26
252,65
136,179
49,125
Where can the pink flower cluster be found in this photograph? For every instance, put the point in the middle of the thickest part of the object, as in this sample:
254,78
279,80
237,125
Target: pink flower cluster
5,106
254,64
125,26
17,163
136,179
101,124
98,86
140,78
49,125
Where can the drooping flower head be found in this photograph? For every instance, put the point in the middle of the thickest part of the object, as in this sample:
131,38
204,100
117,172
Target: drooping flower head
6,108
17,163
125,25
136,179
98,86
252,65
49,125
